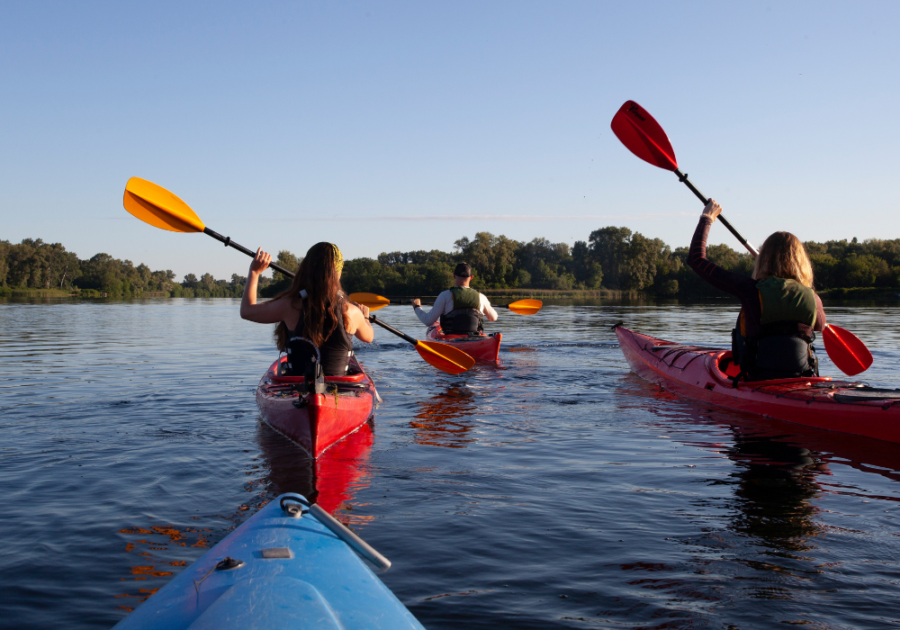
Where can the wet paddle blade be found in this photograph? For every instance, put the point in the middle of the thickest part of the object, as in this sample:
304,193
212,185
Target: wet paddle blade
643,136
526,307
846,350
445,357
157,206
373,301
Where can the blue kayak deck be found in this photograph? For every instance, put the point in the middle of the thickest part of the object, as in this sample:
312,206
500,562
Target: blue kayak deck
295,574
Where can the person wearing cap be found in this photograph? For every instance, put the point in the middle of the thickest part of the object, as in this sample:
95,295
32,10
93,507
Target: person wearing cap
461,309
315,321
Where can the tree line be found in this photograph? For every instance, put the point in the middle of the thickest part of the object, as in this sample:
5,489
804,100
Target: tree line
612,258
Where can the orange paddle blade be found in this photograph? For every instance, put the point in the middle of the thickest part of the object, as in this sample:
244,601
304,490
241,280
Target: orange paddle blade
445,357
526,307
373,301
846,350
157,206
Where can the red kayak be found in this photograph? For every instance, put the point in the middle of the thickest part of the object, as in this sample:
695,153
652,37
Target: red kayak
316,421
819,402
480,347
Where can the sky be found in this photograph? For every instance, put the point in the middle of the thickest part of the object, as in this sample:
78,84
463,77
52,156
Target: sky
398,126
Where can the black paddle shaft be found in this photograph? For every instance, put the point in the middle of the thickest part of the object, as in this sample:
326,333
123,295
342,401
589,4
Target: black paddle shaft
682,177
229,243
402,335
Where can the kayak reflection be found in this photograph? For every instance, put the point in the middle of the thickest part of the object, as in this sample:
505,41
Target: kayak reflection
332,480
443,420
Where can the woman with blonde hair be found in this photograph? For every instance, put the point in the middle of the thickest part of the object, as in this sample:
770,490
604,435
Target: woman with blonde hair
780,311
315,320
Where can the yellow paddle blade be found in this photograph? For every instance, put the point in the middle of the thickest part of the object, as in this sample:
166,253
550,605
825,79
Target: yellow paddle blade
157,206
373,301
526,307
445,357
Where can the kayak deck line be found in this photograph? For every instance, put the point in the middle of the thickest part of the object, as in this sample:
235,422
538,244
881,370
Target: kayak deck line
696,372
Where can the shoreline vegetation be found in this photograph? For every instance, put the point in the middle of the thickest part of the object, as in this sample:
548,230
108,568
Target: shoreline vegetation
614,263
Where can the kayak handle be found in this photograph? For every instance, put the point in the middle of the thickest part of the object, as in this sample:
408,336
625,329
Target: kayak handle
293,505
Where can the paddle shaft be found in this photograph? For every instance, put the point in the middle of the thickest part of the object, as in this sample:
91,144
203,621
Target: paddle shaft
229,243
402,335
682,177
409,301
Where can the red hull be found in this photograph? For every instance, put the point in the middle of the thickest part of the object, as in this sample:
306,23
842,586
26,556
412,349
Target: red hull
326,419
482,348
817,402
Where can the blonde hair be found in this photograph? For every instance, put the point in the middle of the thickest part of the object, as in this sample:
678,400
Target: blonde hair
784,256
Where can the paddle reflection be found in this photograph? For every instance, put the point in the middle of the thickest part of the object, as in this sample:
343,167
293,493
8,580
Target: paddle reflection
443,419
331,481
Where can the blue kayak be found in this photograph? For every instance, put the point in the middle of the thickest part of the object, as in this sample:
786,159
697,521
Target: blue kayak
288,566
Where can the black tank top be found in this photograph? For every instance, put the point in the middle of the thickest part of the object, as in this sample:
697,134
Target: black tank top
338,346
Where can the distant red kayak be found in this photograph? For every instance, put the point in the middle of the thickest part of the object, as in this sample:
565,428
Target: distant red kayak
819,402
320,420
479,347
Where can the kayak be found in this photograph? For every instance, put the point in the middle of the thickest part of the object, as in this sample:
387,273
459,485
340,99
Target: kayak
480,347
316,421
696,372
277,570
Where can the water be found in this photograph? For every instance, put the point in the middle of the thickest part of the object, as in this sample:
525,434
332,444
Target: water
557,491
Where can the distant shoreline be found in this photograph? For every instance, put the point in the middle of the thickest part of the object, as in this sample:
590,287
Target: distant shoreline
838,295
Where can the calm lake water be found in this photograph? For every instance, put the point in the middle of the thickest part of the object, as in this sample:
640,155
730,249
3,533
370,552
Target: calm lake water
556,491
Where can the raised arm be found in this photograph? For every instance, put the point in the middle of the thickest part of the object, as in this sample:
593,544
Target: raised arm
270,312
722,279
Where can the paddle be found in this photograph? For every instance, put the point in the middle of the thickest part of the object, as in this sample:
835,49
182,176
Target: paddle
643,136
443,356
846,350
375,302
160,208
157,206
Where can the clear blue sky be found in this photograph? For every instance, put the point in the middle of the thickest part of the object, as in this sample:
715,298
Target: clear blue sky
387,126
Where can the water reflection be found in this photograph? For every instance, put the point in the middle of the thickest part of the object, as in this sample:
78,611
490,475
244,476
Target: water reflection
331,481
776,488
443,420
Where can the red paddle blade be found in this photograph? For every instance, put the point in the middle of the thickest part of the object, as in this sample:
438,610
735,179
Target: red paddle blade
846,350
643,136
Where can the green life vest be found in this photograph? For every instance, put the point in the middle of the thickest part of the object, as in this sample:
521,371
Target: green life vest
465,297
786,301
781,349
466,317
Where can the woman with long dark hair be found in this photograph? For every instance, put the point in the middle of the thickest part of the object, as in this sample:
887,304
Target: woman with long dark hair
780,311
312,312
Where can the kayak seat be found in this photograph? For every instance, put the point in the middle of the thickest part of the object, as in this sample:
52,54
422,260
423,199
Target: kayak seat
727,366
354,374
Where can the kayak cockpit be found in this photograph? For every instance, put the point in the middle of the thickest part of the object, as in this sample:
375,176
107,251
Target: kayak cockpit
722,366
